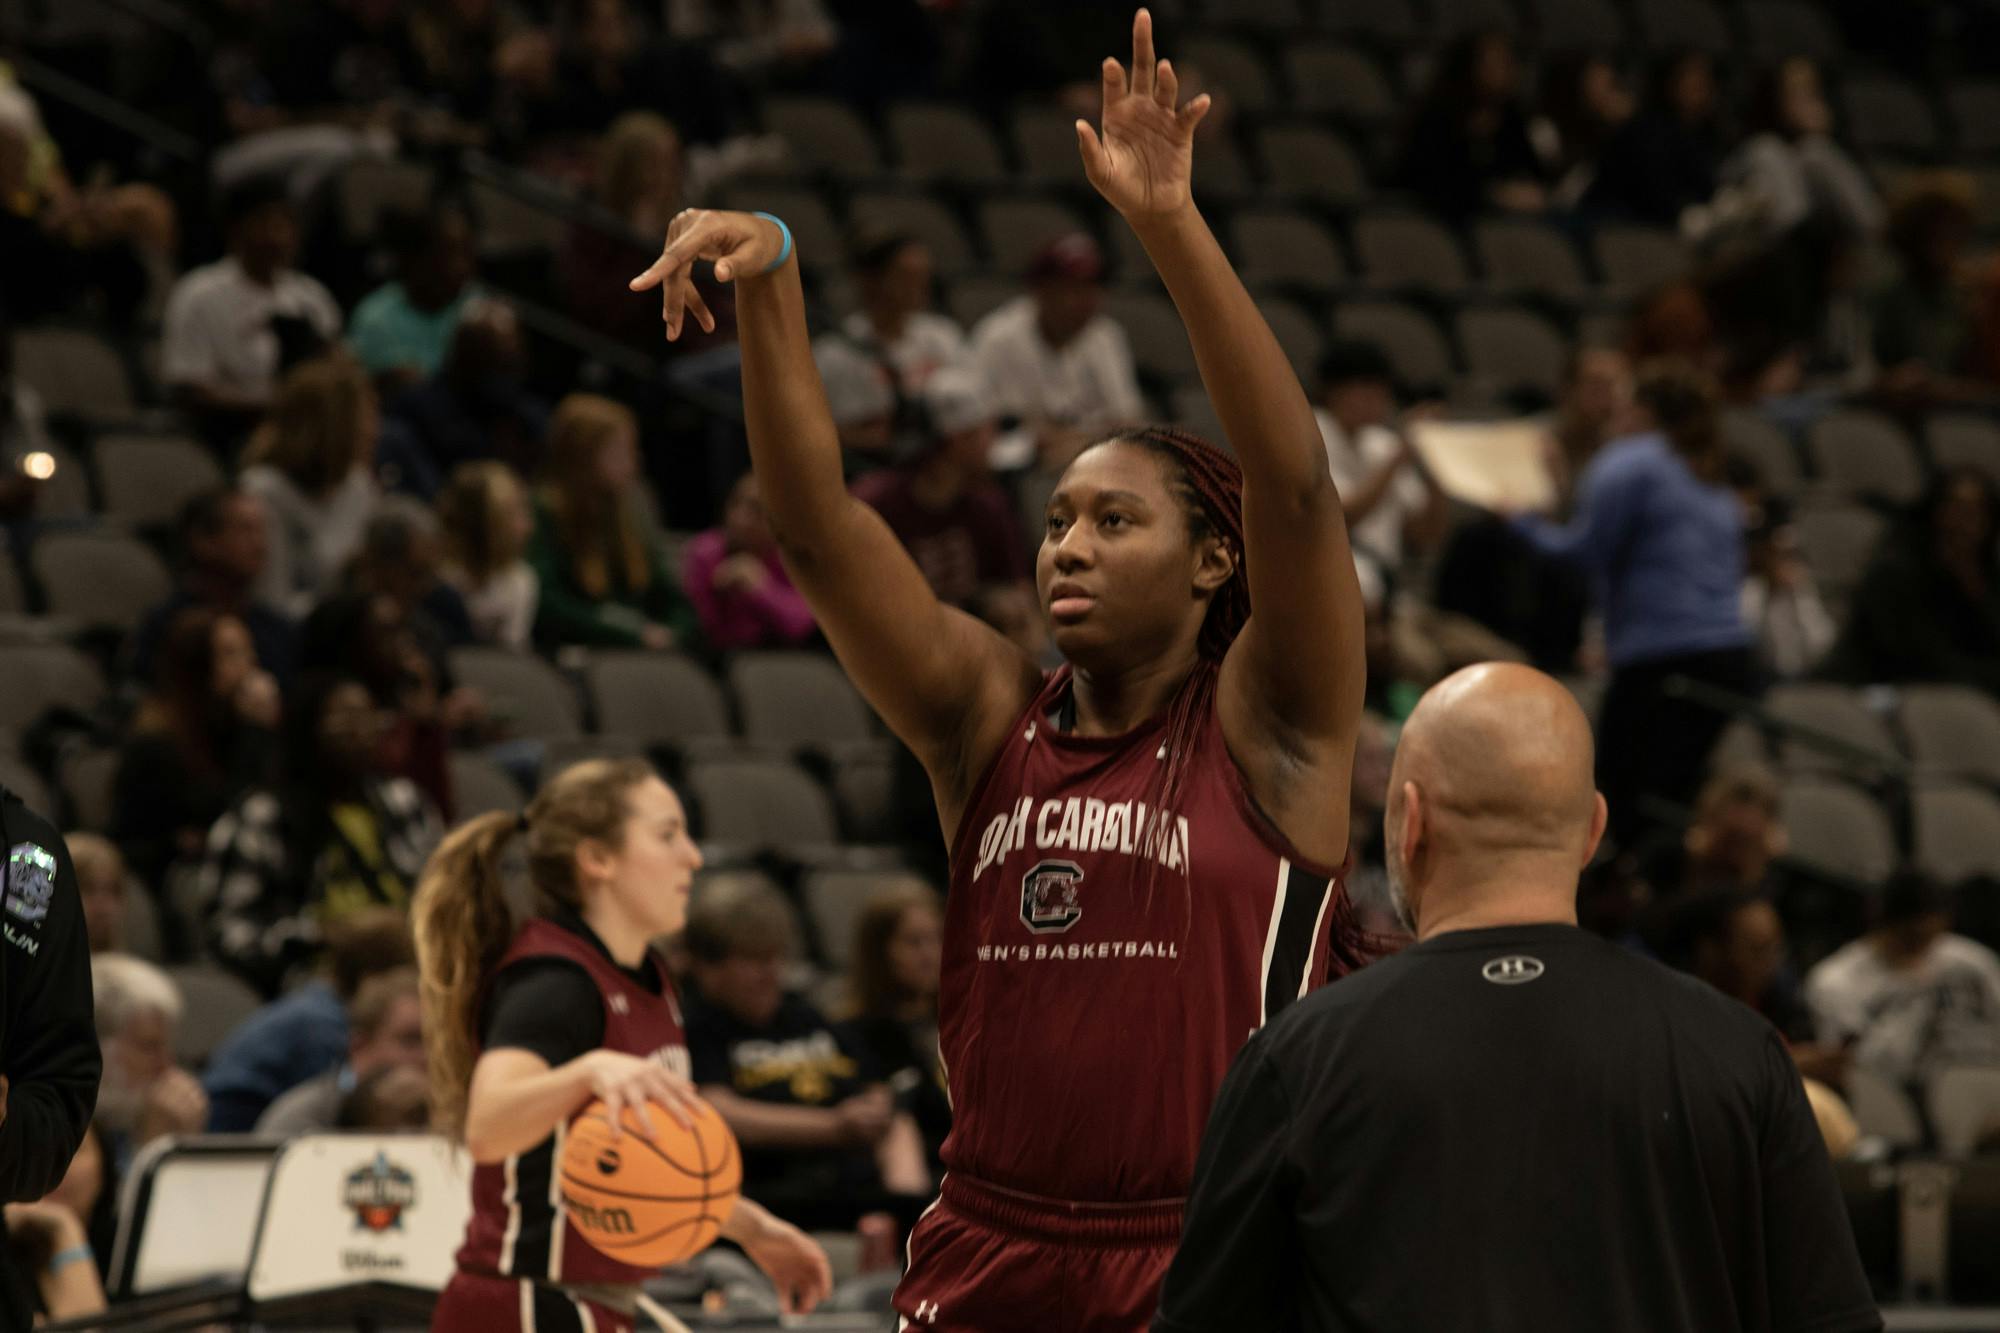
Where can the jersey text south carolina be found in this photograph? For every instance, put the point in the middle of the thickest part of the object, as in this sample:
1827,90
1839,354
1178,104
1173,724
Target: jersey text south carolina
1086,824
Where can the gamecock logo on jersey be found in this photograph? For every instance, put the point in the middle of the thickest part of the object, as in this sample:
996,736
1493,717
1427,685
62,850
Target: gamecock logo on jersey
1049,901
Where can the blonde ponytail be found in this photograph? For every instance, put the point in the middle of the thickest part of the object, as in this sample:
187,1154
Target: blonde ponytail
462,926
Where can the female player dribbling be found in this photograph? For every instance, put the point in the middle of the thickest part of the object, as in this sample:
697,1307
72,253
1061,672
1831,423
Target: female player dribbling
525,1027
1144,844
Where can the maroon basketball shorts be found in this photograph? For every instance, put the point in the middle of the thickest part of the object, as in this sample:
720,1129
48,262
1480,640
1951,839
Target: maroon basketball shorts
476,1303
985,1260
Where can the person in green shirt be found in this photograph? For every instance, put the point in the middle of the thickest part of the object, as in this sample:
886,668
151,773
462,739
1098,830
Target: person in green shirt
606,576
402,329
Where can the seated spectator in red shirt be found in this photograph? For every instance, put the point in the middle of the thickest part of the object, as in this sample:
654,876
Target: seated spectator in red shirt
945,505
737,583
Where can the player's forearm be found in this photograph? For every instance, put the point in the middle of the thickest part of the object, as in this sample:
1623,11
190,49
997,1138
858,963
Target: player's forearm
900,1157
762,1125
794,447
1247,374
508,1116
747,1223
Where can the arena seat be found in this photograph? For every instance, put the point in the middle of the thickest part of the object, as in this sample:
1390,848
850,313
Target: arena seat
73,370
1390,22
1882,1109
100,578
1275,245
1409,250
147,479
1975,115
1633,259
1159,340
1234,68
1696,25
1858,454
972,299
479,786
1957,832
942,141
88,781
1840,714
1297,332
1342,83
1776,29
1017,229
825,135
1952,729
1513,347
1837,542
521,690
760,803
1838,829
800,700
368,188
1044,140
834,901
1888,116
1752,437
1958,440
1408,336
213,1003
920,216
1576,25
655,698
24,782
1312,162
65,493
40,676
1522,256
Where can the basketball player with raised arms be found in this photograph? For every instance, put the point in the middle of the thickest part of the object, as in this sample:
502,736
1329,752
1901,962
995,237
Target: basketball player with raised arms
526,1027
1146,843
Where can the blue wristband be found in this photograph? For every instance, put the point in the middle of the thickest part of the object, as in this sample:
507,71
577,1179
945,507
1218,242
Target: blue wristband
74,1254
783,254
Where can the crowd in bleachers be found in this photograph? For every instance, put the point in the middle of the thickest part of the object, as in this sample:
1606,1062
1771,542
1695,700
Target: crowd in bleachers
348,491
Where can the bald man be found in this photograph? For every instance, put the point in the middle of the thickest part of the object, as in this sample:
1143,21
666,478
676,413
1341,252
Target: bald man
1511,1126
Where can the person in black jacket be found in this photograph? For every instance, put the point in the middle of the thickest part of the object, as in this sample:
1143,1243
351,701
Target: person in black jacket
49,1061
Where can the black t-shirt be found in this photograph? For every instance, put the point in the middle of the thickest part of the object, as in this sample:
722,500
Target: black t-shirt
797,1059
550,1005
906,1056
1516,1129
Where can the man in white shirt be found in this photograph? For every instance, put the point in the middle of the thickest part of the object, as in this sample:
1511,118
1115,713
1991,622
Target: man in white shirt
1390,501
896,324
1909,998
1054,363
233,327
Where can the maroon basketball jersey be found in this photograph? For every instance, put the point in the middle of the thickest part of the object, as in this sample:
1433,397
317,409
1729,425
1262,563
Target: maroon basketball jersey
1090,1008
519,1227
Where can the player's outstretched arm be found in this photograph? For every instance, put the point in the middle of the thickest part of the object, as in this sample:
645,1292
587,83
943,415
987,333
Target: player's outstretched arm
1295,677
947,684
794,1261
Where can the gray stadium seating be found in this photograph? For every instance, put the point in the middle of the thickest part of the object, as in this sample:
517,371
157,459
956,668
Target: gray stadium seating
522,691
655,698
146,479
1838,830
99,578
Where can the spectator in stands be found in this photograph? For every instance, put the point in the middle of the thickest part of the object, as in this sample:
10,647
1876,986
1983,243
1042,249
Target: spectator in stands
487,522
304,1033
49,1244
763,42
310,464
1663,160
145,1095
204,734
1468,147
401,558
640,181
1922,319
896,326
1389,499
234,327
1789,169
105,247
100,883
225,542
1584,107
401,330
337,61
476,407
332,839
376,639
1663,536
385,1024
607,62
1059,368
944,505
893,999
395,1099
1789,625
738,585
1594,409
1731,845
605,576
1735,941
1910,998
823,1142
1928,606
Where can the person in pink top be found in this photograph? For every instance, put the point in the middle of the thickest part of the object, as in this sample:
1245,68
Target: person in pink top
737,583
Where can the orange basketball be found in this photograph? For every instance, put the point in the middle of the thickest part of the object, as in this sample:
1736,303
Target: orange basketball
652,1200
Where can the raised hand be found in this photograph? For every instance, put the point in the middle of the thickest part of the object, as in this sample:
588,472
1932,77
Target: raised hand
1143,163
739,244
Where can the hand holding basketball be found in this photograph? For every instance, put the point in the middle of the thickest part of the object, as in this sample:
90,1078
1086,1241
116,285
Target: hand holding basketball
630,1083
739,244
1144,163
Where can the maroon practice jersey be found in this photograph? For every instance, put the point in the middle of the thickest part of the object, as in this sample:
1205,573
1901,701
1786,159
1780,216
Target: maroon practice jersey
1104,961
519,1227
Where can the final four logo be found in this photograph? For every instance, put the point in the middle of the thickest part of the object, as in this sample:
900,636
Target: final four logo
31,880
379,1193
1049,901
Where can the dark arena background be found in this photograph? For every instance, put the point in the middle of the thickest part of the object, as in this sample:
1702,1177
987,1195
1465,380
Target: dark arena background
328,426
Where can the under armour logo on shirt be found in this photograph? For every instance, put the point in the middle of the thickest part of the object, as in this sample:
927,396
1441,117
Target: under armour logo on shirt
620,1005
